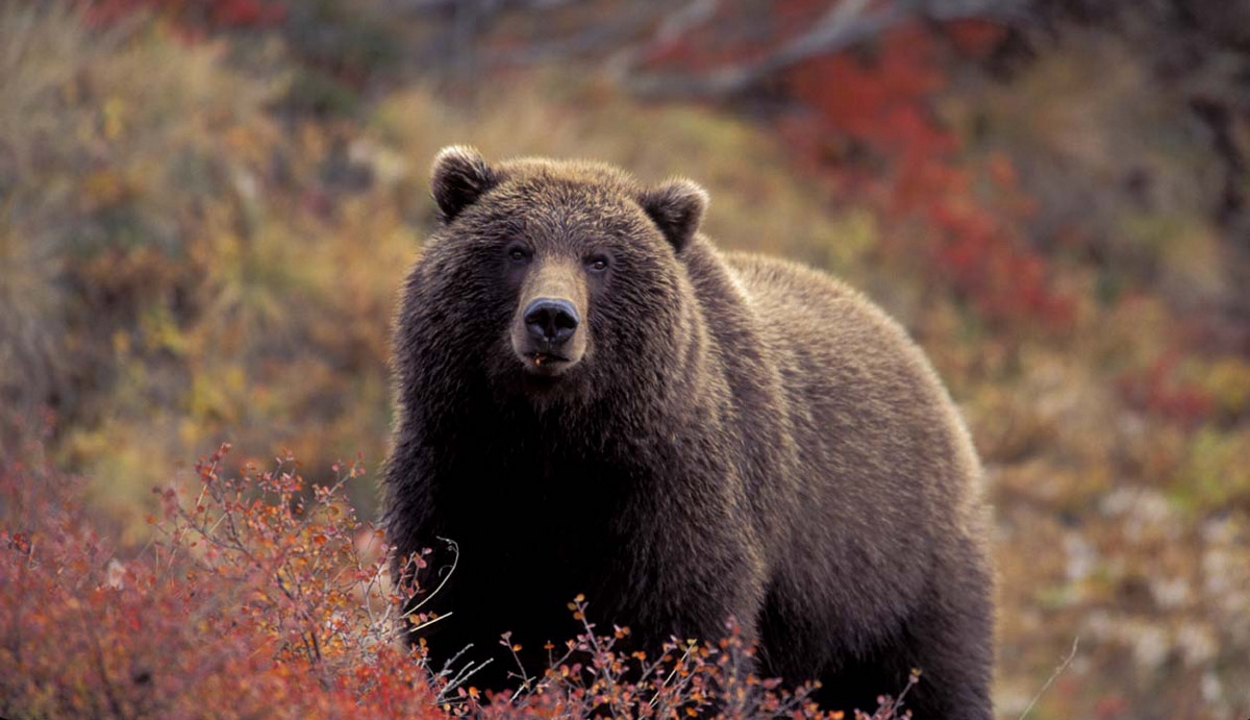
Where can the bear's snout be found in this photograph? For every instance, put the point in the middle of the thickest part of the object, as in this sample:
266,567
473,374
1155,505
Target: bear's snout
551,322
549,332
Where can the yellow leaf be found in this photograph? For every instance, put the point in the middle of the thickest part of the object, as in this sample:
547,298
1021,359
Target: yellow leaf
114,111
103,188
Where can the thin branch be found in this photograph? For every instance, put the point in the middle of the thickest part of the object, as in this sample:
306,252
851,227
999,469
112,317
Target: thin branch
671,30
467,672
455,561
98,660
594,38
844,25
426,6
1058,671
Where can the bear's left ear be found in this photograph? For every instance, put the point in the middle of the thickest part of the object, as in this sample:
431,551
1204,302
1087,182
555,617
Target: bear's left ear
676,207
459,177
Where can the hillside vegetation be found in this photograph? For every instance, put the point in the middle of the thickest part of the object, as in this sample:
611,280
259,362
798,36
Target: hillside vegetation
207,208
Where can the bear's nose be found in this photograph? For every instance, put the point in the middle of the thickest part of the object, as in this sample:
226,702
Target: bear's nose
551,320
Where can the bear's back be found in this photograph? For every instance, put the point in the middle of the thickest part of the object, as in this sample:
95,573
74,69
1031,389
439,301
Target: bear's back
875,429
844,360
853,367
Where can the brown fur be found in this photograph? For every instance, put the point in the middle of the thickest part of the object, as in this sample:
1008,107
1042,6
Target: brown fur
736,436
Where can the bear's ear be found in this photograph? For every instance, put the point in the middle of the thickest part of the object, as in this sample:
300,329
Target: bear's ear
676,207
458,179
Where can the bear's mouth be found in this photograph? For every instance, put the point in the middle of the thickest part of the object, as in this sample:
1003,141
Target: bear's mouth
545,364
544,359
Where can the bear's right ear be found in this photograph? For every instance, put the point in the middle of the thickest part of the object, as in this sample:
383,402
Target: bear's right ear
676,208
458,179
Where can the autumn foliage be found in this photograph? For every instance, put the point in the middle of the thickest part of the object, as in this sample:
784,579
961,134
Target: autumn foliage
869,120
252,601
207,206
866,120
262,597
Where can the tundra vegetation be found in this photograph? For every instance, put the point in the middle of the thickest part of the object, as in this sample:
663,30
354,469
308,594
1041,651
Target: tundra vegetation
207,207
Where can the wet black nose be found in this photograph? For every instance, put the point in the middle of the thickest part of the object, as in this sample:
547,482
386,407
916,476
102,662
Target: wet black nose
551,320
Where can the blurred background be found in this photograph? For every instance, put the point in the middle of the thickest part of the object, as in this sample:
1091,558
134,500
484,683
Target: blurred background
207,207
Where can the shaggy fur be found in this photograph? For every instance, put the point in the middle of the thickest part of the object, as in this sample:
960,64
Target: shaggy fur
738,436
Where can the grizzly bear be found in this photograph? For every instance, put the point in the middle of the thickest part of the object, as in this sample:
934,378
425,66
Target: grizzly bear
593,399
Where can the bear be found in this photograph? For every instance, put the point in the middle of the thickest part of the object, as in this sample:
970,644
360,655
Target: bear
593,399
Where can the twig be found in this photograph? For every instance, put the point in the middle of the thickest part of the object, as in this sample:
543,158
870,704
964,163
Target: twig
431,621
461,678
1058,670
98,658
455,560
690,647
845,23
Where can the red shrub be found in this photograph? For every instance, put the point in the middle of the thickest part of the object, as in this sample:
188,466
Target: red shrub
259,598
1161,390
866,118
913,168
251,603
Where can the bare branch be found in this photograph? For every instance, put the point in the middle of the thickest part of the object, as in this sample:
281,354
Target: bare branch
1058,671
844,25
673,28
594,38
426,6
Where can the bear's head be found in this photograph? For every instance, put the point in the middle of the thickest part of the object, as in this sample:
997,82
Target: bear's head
554,276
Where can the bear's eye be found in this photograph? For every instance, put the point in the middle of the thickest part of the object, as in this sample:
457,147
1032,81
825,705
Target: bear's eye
518,252
597,263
